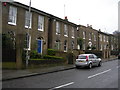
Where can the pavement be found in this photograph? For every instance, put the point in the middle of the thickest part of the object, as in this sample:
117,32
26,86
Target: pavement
16,74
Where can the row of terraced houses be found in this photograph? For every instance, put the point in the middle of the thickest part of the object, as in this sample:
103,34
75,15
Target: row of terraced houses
48,31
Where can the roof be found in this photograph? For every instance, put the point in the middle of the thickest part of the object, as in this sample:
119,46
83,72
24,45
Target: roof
41,12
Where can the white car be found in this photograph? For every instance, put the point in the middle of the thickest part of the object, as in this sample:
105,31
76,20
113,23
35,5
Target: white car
87,60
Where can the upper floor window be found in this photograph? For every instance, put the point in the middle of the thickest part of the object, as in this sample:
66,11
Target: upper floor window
107,38
57,28
101,47
40,23
73,33
94,37
104,38
28,19
84,35
65,30
90,36
100,37
12,15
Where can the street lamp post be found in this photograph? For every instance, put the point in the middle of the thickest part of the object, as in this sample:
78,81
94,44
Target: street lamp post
27,52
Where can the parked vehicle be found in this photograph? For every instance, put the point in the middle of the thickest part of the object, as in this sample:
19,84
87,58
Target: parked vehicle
87,60
119,56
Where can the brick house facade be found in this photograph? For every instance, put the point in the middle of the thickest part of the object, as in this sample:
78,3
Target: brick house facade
48,31
89,36
19,27
62,35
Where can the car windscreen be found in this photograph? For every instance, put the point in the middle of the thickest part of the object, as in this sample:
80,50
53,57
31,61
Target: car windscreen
82,57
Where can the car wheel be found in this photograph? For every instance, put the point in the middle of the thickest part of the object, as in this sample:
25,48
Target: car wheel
100,63
77,67
90,66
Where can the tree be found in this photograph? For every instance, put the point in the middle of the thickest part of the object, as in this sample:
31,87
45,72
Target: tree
7,41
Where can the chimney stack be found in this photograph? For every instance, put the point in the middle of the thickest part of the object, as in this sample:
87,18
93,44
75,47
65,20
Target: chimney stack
66,18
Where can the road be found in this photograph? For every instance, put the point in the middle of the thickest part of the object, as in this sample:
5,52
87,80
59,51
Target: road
105,76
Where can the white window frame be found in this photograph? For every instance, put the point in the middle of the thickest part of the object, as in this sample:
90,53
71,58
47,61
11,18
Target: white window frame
101,47
95,38
73,44
107,38
65,46
78,47
83,46
57,43
112,47
65,30
100,37
28,19
73,32
29,48
104,38
57,28
40,23
90,36
84,36
104,47
12,15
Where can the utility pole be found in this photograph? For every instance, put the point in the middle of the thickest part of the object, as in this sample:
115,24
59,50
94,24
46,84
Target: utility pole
27,53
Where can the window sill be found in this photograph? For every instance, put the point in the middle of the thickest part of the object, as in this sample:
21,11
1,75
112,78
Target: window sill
27,27
27,49
40,30
66,35
73,37
65,51
57,33
12,23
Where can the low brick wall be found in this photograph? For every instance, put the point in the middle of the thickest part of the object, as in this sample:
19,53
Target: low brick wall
54,61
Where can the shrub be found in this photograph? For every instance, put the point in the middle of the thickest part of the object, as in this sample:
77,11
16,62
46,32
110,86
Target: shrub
88,47
51,52
35,54
93,48
51,57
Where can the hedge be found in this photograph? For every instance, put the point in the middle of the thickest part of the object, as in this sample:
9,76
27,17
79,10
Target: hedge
51,57
51,52
45,61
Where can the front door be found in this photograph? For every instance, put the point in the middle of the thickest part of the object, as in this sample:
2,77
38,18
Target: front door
39,46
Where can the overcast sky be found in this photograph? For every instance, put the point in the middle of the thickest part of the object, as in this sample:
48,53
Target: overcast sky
101,14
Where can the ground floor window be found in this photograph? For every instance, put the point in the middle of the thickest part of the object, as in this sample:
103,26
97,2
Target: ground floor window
57,44
27,41
65,46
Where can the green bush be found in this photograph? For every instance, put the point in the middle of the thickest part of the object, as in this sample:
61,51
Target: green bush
51,57
88,47
51,52
35,54
38,59
93,48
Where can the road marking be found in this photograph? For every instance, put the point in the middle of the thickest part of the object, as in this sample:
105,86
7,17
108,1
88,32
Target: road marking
99,73
62,86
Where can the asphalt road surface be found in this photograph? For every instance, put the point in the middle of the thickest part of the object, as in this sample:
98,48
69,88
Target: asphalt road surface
105,76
